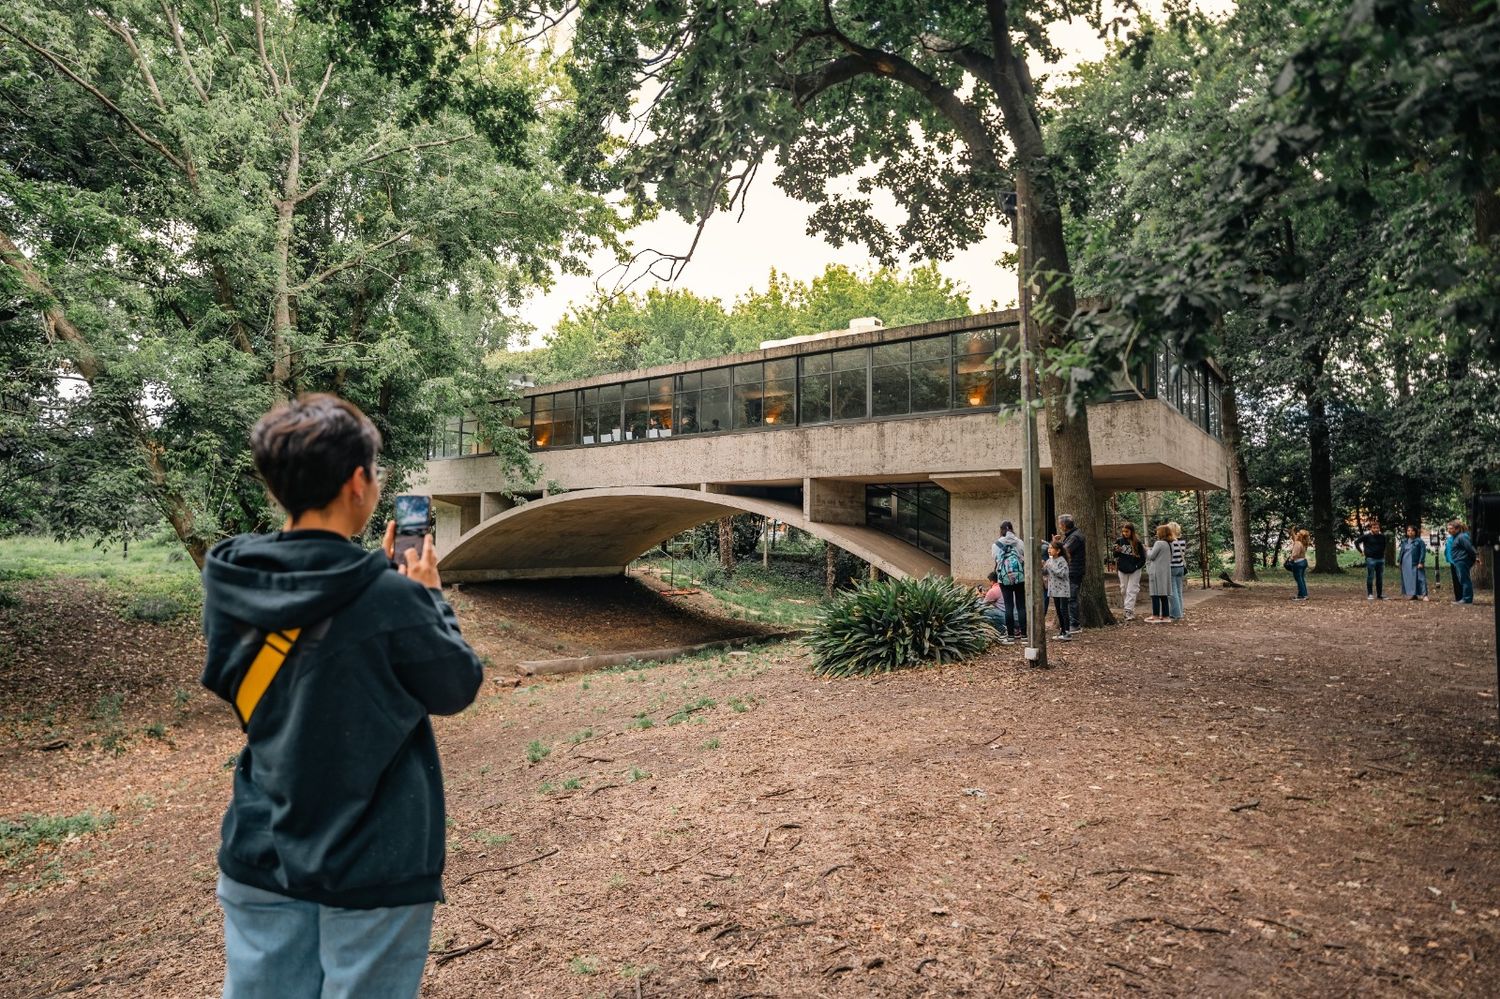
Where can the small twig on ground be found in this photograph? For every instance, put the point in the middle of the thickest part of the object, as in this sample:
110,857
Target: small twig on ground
602,787
585,742
794,924
673,867
1245,805
1168,922
777,793
785,825
1286,926
508,867
924,963
994,739
1128,971
1296,797
597,759
835,867
837,969
731,928
450,955
1135,870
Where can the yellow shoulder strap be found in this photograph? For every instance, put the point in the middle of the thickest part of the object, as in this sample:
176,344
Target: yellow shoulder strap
277,646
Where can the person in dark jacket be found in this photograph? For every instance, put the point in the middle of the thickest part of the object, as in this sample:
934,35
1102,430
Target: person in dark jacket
1130,559
1075,549
333,658
1371,545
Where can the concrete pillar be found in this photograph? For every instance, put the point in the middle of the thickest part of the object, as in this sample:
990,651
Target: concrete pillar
833,501
455,516
493,504
974,524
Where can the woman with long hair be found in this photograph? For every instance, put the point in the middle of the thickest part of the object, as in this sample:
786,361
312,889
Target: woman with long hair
1413,564
1159,569
1297,562
1130,558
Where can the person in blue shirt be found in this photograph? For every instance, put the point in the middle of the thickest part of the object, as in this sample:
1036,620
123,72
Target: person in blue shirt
1461,557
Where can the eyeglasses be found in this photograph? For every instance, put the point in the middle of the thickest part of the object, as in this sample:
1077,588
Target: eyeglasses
380,475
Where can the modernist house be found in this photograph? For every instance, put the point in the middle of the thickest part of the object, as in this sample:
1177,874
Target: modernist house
899,445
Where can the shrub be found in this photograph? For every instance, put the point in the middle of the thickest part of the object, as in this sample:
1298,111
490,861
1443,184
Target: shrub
156,609
897,623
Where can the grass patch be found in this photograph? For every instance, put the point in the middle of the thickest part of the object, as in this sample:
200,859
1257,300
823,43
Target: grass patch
754,593
20,839
711,744
636,773
642,721
484,838
584,965
536,752
583,736
691,708
156,583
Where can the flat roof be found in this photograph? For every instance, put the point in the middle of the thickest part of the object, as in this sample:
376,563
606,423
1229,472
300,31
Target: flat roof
862,338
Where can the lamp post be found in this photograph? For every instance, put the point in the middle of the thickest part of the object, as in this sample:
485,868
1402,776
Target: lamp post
1016,207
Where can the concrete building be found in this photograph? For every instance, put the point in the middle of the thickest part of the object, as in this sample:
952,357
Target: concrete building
897,444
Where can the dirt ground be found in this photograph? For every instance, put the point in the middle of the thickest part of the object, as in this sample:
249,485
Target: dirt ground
1269,799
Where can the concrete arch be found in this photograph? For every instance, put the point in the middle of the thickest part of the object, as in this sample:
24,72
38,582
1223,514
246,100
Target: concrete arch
597,532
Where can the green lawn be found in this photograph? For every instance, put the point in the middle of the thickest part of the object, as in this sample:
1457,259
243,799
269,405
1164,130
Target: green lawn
157,581
752,592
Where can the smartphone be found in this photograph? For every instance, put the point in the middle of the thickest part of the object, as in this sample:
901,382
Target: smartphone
413,524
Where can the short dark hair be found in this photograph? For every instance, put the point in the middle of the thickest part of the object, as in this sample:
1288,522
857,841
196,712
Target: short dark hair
994,577
306,450
1005,528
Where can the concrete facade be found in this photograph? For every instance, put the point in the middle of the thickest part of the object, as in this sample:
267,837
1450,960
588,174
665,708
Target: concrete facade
619,498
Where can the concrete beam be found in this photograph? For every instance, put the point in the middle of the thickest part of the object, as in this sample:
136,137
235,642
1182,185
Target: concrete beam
833,501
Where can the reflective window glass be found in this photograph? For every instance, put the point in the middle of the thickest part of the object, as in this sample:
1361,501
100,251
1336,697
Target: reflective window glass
780,401
892,353
659,419
687,413
816,364
929,385
749,409
848,360
851,394
746,374
690,382
716,377
815,403
784,368
890,389
929,348
713,410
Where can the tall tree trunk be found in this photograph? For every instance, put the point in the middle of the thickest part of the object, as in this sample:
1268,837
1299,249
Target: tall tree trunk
1239,485
1320,462
726,544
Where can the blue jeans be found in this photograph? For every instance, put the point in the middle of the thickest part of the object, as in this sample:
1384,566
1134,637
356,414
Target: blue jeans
284,948
1463,587
1299,574
1179,573
1375,576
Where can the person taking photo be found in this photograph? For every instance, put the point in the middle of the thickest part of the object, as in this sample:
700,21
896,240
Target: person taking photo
333,658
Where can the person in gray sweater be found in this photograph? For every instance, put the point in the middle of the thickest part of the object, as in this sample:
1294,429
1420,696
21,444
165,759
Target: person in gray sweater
1059,588
1159,574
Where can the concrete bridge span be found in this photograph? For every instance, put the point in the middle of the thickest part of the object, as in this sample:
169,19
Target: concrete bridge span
598,532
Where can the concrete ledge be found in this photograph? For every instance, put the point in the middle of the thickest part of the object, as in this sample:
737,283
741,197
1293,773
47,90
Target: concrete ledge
583,664
504,575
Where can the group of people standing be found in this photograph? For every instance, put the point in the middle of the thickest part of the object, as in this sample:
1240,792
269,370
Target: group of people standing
1063,560
1458,551
1165,566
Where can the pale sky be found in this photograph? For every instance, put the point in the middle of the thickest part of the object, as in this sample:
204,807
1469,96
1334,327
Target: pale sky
734,256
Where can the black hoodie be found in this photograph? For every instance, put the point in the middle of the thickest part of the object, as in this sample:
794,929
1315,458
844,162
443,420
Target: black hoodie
338,794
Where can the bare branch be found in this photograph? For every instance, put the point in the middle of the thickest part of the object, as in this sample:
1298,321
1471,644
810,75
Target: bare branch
182,52
373,157
353,261
318,97
125,35
54,319
63,68
260,48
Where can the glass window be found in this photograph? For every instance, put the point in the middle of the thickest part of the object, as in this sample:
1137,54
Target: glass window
690,382
659,415
929,385
609,414
779,401
892,353
687,412
713,408
746,374
816,364
637,410
851,387
890,386
564,420
816,391
782,369
928,349
749,405
715,377
973,371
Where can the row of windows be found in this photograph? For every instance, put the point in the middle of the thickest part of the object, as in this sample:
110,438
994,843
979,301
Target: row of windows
929,375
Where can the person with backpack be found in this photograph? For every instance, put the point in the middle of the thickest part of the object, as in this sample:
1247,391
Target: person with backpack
333,658
1130,558
1010,571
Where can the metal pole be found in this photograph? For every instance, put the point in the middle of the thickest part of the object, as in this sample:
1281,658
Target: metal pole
1031,463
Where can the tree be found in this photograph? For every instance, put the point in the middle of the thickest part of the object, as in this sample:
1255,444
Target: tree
206,209
932,103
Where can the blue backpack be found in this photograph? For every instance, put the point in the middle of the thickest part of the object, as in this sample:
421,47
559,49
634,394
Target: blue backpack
1009,569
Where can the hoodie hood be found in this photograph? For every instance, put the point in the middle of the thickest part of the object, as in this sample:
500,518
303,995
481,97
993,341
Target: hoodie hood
1009,540
288,579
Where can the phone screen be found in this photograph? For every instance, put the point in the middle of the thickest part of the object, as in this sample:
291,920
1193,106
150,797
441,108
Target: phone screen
413,514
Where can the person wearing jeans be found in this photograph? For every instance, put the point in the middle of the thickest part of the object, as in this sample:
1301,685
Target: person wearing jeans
1371,545
1159,573
1010,566
333,658
1297,562
1075,549
1179,570
1463,557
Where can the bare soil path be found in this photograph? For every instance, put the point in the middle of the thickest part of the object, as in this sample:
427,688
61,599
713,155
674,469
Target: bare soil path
1270,799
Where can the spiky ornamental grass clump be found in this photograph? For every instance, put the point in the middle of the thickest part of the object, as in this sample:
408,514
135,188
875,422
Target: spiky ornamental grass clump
895,624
